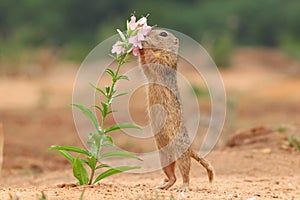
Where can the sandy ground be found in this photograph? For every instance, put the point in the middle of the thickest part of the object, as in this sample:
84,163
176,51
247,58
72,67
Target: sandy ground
253,159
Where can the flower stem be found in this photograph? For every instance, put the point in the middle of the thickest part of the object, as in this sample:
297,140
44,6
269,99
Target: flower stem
108,100
114,81
92,176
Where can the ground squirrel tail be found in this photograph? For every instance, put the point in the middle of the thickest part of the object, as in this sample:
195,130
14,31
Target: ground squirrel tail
205,164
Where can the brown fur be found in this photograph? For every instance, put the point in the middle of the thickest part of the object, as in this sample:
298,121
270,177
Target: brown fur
158,59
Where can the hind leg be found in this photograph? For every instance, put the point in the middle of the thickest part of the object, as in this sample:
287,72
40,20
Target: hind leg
170,173
184,165
169,170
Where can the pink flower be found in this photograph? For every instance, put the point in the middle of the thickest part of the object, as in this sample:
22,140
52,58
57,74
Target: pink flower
135,51
140,36
142,21
135,41
140,24
117,48
132,41
132,24
145,30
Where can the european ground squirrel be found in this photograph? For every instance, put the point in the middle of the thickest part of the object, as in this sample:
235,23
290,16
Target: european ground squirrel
158,59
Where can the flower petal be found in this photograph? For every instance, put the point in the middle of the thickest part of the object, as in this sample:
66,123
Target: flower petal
140,36
146,30
135,41
132,24
117,48
142,21
135,51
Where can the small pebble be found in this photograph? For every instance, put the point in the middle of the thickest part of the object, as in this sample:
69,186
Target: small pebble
266,150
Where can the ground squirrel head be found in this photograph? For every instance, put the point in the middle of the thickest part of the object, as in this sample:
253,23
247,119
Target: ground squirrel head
160,47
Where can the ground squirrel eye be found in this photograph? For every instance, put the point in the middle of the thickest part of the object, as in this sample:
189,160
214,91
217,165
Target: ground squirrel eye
163,34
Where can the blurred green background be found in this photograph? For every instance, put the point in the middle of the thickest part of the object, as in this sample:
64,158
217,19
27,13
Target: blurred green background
71,28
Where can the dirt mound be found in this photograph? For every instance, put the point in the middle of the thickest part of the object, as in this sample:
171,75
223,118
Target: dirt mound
263,137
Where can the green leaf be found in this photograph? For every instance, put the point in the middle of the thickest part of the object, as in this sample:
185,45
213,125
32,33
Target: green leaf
113,56
121,94
96,138
85,161
107,89
121,35
70,148
92,161
98,107
98,89
127,26
93,149
122,77
67,155
89,114
127,58
80,172
134,32
109,139
104,108
95,144
112,111
120,126
103,166
120,154
110,72
113,171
